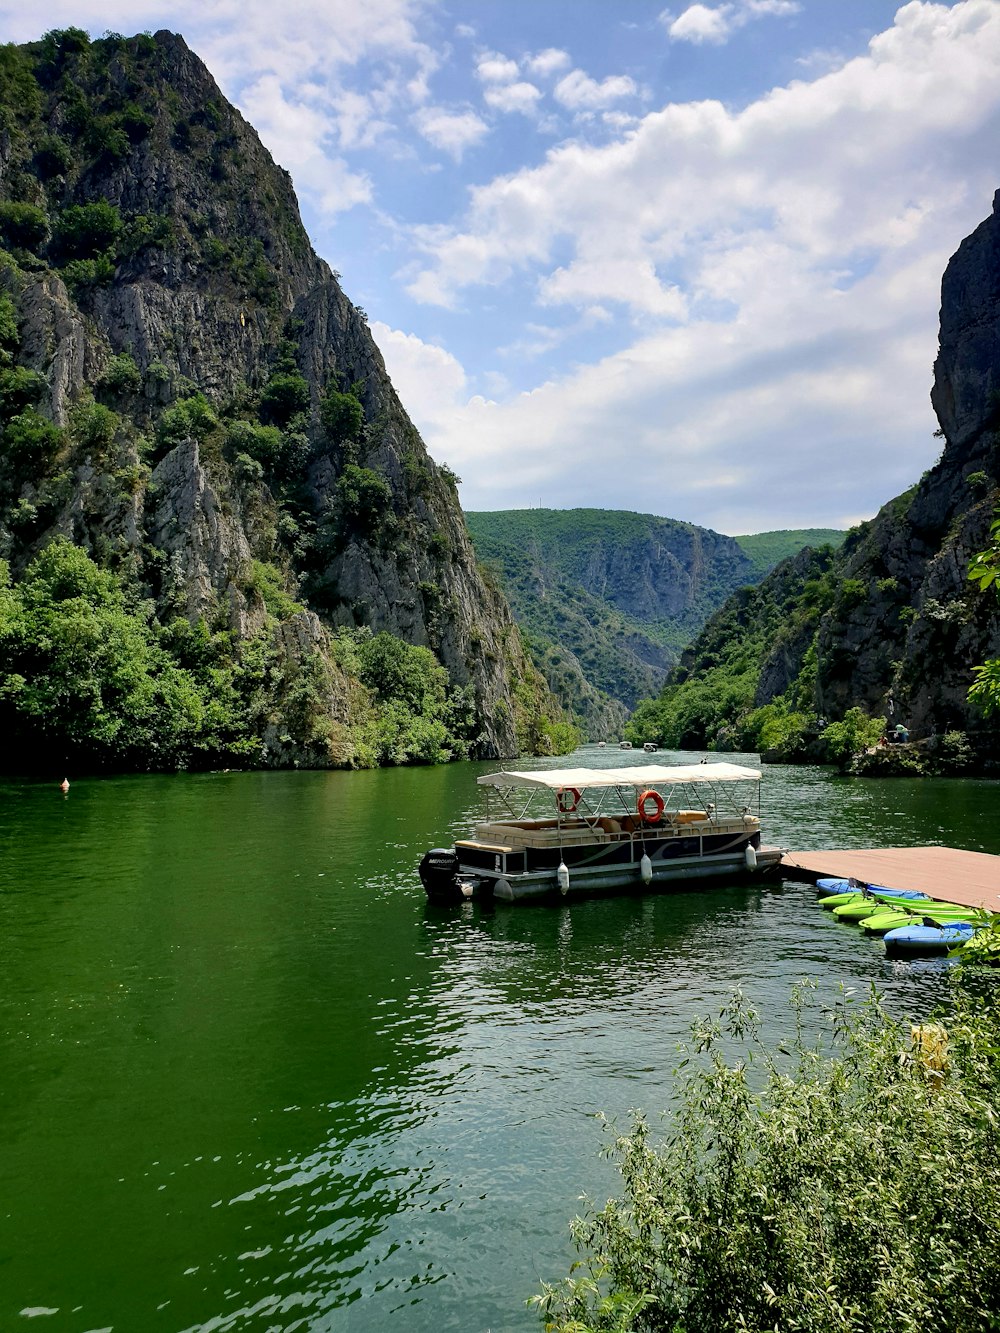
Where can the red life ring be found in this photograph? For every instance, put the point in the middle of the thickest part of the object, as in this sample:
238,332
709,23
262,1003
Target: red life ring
644,814
567,799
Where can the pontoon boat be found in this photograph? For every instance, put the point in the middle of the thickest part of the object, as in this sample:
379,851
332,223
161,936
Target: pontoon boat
582,831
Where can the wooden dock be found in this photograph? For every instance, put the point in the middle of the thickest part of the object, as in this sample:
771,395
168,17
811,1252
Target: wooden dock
970,879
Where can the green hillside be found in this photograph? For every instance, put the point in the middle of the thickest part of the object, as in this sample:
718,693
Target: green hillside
608,599
767,549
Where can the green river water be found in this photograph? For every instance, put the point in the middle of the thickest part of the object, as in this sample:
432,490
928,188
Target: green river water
251,1080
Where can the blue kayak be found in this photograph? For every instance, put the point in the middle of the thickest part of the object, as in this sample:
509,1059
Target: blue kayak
919,941
880,891
834,885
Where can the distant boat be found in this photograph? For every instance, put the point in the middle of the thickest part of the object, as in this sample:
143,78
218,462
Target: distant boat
650,747
601,745
624,745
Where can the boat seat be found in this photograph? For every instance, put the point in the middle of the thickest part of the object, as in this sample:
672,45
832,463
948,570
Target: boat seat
540,835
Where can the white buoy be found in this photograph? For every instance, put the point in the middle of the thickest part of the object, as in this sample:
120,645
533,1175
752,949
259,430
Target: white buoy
562,875
646,869
750,856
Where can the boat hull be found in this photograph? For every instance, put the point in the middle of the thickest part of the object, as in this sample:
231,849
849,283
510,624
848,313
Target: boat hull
623,876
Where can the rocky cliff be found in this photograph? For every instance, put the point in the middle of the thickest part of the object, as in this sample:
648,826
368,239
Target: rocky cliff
222,430
904,642
893,624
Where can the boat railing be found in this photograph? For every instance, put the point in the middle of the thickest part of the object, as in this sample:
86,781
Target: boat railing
555,832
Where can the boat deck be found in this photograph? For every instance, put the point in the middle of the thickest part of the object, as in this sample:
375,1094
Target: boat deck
969,879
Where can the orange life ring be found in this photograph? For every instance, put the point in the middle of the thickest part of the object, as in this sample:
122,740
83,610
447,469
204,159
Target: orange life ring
643,813
567,799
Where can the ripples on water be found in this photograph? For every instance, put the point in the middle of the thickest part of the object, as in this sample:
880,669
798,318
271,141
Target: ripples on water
252,1081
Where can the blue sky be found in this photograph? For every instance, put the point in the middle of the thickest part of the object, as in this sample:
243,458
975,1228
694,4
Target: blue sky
684,259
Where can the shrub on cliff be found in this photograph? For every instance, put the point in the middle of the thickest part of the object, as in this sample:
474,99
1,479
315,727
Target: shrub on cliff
188,419
365,498
342,416
23,226
85,231
30,442
283,397
823,1187
416,718
852,735
81,671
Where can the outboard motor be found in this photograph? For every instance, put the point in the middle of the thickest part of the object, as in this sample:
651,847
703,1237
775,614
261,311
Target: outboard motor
439,873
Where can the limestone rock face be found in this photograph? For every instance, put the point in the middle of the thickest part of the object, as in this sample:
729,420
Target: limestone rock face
218,290
966,393
903,640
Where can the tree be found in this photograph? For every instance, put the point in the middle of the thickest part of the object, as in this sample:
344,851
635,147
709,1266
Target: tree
85,231
853,735
23,226
81,670
342,416
984,569
283,397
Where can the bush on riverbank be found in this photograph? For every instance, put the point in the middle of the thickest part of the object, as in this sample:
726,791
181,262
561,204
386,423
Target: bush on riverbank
90,678
817,1188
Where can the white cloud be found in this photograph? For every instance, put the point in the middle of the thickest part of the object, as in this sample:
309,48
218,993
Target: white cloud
549,61
523,97
579,92
700,24
451,131
493,68
540,339
773,8
295,133
783,267
429,380
703,24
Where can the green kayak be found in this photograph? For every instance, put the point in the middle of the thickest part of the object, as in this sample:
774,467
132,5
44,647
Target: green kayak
858,910
881,922
861,906
874,894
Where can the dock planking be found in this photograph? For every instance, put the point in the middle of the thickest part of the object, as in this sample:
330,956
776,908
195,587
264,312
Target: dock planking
970,879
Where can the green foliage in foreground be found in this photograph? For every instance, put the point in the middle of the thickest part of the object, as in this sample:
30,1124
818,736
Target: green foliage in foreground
820,1188
414,716
83,672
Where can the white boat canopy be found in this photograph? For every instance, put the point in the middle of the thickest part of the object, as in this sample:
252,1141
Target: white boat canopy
646,775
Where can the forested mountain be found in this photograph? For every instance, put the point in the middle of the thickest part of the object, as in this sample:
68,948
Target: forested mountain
221,536
767,549
890,624
608,599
